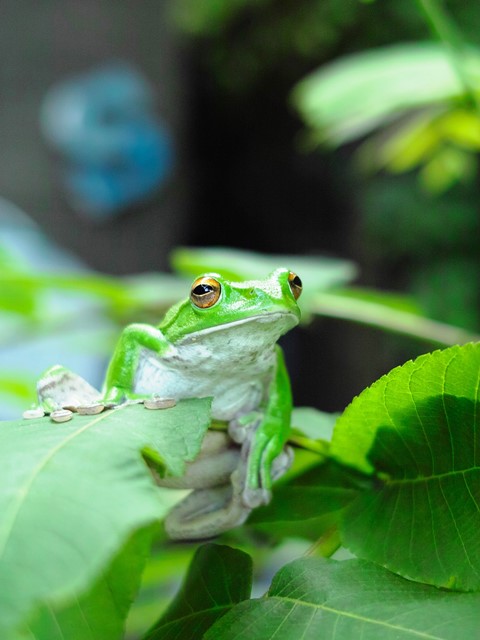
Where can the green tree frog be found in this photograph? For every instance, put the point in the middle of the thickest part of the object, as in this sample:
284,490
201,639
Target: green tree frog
220,342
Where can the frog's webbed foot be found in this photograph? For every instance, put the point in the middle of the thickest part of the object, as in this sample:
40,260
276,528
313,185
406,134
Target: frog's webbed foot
222,499
264,458
216,503
213,466
263,470
60,388
206,513
240,429
114,397
214,506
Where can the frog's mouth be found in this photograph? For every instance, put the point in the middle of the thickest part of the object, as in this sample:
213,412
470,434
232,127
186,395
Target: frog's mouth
285,320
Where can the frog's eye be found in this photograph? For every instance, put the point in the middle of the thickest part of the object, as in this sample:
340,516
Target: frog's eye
296,285
205,292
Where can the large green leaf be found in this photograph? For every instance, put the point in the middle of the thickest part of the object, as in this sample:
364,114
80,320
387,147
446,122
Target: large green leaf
100,613
418,428
72,493
359,93
218,578
319,599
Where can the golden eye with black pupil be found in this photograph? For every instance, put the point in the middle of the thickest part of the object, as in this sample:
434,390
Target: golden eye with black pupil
295,284
205,292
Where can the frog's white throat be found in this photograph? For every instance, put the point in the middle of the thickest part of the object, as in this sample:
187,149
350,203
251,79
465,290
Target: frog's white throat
268,324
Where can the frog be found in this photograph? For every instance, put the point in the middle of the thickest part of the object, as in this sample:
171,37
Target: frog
219,342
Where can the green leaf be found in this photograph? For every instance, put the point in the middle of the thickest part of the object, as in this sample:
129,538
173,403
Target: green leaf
325,489
217,579
374,311
72,493
316,598
99,614
312,430
161,572
418,428
404,145
462,128
351,97
18,385
15,299
422,137
151,292
447,166
312,423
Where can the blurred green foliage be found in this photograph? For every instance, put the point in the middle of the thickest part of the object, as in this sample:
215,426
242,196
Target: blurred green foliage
396,102
412,109
412,95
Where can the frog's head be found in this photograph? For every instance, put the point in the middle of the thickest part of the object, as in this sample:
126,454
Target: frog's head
216,303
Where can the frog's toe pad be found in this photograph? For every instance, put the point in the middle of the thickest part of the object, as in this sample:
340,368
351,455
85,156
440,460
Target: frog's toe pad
61,388
253,498
237,432
282,463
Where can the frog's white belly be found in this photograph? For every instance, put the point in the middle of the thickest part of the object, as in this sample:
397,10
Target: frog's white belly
232,395
232,366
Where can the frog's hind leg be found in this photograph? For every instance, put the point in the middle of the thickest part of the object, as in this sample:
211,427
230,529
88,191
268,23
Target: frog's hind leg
206,513
59,388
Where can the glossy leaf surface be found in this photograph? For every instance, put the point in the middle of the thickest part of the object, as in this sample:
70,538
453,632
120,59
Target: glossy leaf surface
315,598
418,429
217,579
71,494
100,613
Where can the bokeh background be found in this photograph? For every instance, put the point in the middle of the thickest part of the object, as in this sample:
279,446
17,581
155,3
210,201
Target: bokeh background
128,129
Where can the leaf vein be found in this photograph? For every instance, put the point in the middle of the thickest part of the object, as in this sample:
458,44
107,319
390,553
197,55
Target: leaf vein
459,534
9,519
364,619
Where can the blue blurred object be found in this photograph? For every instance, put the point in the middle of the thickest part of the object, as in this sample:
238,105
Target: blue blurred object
116,151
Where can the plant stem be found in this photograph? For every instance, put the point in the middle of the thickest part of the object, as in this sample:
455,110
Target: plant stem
319,447
443,27
334,305
326,545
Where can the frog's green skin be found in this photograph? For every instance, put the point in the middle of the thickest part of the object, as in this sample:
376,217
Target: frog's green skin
227,351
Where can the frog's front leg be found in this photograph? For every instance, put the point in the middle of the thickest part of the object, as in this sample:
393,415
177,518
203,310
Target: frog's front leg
120,378
60,388
264,438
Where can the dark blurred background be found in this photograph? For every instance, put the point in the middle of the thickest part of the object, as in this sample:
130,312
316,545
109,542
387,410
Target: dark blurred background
240,171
